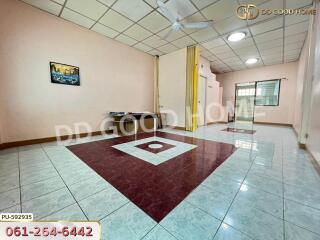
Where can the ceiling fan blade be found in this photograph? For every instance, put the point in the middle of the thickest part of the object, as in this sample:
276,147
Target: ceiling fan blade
168,34
198,25
172,16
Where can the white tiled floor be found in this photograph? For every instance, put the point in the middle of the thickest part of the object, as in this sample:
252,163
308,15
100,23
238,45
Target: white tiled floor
268,189
155,159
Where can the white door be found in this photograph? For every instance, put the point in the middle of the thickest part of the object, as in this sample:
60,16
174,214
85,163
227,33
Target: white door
202,86
172,88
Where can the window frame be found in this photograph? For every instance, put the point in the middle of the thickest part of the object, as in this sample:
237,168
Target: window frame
268,105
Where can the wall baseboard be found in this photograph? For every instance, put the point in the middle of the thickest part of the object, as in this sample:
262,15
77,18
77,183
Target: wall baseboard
50,139
314,161
219,122
275,124
177,128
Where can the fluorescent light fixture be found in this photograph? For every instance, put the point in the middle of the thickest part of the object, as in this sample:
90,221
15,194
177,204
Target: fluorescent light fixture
251,61
244,188
237,36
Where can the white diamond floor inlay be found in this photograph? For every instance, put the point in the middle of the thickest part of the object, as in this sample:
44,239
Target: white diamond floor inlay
154,158
155,146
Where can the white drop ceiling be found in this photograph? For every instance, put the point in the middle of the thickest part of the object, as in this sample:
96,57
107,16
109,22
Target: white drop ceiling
140,24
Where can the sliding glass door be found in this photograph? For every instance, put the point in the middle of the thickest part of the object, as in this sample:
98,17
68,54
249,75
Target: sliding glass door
245,101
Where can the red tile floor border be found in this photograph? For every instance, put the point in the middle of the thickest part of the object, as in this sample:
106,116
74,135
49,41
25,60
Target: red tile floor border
156,189
238,130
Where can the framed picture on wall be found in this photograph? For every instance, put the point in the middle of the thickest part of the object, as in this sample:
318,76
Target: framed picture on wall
64,74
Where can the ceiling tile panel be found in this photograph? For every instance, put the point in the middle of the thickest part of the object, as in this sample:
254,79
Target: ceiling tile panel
293,19
220,49
230,24
233,61
270,56
291,58
107,2
255,2
115,21
133,9
292,52
245,56
167,48
296,38
238,68
184,8
268,36
225,55
220,10
296,28
155,52
273,62
270,44
273,4
106,31
205,53
143,47
154,22
61,2
173,36
214,43
155,41
126,40
77,18
212,58
247,50
204,34
248,42
267,26
298,3
293,46
203,3
90,8
272,50
152,3
183,42
45,5
137,32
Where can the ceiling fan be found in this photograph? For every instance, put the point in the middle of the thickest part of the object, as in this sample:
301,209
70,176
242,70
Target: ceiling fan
175,16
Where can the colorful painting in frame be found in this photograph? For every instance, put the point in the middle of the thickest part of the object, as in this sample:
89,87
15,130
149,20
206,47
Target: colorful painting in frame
64,74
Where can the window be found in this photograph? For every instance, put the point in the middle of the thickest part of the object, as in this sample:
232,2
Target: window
267,93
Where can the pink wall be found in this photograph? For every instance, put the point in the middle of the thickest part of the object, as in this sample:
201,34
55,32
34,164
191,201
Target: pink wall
284,113
313,142
114,77
299,91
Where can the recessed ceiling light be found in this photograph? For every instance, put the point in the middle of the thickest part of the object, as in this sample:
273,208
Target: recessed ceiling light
251,61
237,36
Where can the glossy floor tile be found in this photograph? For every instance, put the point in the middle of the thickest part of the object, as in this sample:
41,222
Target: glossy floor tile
254,222
129,222
189,222
239,130
227,232
267,188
